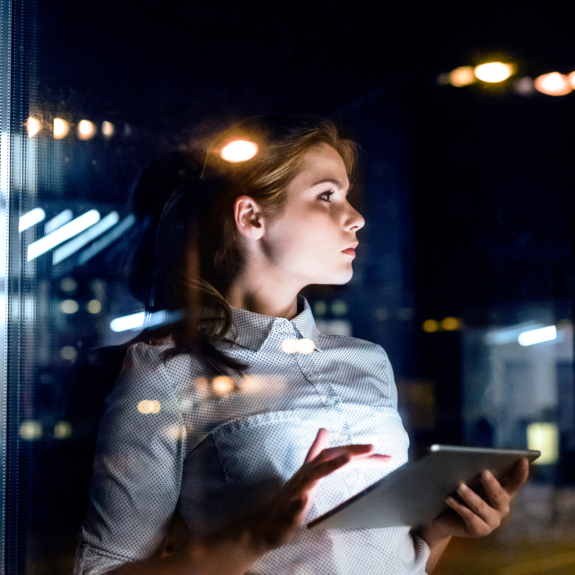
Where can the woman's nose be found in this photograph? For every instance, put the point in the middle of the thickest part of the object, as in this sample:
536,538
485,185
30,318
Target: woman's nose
355,220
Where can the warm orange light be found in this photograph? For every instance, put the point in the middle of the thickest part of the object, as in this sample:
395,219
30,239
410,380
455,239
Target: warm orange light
222,385
33,126
430,325
86,130
108,129
571,78
450,324
462,76
239,151
553,84
61,128
493,72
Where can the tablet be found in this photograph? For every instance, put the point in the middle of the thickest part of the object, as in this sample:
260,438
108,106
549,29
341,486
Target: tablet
414,494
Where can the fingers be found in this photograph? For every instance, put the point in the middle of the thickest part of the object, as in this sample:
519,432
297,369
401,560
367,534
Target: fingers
498,497
320,443
475,525
329,460
518,477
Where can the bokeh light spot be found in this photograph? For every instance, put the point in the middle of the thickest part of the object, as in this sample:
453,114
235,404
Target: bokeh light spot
69,306
30,430
450,324
94,306
69,353
61,128
147,406
33,126
62,430
86,130
290,345
462,76
305,345
493,72
553,84
222,385
430,325
239,151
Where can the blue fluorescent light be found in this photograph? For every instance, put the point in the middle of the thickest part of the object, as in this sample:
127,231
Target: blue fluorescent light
80,241
540,335
57,221
31,219
104,242
139,320
62,234
124,323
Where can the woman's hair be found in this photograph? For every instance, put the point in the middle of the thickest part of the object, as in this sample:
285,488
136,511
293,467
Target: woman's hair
189,251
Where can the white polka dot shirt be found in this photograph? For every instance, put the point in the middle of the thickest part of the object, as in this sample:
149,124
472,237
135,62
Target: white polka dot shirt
180,456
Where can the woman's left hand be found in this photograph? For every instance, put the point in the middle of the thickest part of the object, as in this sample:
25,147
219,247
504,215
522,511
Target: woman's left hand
476,516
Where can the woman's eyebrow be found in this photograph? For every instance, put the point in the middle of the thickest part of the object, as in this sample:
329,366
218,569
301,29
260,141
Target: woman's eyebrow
331,181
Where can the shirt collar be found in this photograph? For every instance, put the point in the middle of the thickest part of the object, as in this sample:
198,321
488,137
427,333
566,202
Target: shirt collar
250,330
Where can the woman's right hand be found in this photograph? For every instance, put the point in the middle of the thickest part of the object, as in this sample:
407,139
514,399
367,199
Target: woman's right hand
277,523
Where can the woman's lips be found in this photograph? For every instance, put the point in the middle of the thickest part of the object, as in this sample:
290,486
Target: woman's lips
349,252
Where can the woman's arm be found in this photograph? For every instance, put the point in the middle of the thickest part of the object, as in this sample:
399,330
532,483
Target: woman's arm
232,550
472,515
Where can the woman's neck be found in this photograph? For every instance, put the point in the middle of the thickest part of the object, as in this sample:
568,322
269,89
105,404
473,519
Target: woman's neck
263,297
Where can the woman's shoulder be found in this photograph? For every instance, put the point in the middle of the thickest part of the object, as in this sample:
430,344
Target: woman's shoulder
354,344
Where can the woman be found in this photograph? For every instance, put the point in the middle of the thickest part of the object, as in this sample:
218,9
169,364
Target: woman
219,430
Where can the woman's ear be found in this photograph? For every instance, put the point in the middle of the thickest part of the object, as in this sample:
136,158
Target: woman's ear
249,218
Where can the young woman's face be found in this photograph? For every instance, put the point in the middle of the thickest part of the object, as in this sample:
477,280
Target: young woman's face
313,239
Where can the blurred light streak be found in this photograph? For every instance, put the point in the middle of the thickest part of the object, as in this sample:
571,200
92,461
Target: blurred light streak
553,84
57,221
493,72
138,320
69,306
430,325
533,336
30,430
149,406
61,128
239,151
94,306
109,238
30,219
509,334
222,385
126,322
80,241
462,76
86,130
62,430
108,129
544,437
62,234
33,126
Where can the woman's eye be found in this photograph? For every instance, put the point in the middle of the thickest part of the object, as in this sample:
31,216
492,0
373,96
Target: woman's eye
326,196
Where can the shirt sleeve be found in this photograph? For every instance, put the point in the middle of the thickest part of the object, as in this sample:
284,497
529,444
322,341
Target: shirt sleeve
137,468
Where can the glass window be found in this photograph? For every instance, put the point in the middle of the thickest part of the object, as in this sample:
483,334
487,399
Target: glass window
463,274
